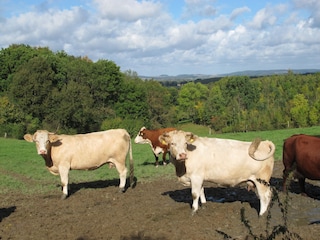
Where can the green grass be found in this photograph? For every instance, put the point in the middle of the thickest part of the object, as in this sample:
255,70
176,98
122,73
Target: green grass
22,170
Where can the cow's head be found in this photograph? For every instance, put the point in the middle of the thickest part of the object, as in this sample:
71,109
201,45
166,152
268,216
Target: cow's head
43,139
179,143
141,138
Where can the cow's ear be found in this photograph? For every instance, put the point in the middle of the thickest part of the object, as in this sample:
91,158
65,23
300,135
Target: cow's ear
28,137
191,137
53,138
162,139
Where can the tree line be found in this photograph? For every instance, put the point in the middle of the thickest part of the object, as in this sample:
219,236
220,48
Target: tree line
40,88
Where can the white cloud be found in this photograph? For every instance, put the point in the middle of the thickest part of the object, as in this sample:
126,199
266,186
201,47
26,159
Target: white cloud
127,10
238,11
142,36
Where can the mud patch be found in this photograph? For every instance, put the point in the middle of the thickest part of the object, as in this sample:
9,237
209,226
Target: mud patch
158,210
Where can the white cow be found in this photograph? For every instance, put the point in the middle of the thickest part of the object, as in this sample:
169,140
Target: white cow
63,153
222,161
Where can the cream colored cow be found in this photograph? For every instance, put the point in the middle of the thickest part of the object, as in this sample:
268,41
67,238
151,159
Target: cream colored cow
63,153
222,161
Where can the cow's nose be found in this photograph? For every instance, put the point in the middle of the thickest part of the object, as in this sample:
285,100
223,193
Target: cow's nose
42,151
182,156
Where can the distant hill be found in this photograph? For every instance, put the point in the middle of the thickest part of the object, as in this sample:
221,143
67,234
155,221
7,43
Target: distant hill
250,73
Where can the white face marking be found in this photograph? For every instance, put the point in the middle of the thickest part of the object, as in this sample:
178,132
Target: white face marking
178,145
41,139
140,139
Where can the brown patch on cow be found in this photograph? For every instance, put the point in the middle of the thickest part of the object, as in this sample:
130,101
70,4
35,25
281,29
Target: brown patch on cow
180,167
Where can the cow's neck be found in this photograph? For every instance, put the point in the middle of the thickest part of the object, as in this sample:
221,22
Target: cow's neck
180,167
47,158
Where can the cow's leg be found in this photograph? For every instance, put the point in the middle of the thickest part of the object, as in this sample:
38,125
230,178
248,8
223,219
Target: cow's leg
122,170
302,183
284,182
264,193
164,157
157,160
202,196
196,186
64,172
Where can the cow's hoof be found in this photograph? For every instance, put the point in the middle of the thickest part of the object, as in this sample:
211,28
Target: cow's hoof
203,206
304,194
122,190
193,212
64,196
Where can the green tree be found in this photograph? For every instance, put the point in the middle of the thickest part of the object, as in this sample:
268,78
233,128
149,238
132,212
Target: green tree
31,86
191,100
158,100
13,57
215,108
299,110
132,101
105,83
73,110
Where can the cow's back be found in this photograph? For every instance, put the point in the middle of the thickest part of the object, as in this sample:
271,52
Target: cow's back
89,151
153,136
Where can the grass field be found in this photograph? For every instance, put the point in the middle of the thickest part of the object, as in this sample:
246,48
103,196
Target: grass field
21,169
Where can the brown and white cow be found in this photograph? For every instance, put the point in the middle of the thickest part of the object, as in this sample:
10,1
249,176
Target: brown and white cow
222,161
63,153
301,155
152,137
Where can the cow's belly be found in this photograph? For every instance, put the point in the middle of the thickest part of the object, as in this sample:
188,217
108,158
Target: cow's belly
226,174
308,165
157,150
89,163
309,172
89,158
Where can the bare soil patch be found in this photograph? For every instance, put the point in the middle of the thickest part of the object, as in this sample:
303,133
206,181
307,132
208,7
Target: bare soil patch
156,210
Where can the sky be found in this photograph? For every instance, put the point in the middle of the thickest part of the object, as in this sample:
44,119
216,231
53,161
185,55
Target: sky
171,37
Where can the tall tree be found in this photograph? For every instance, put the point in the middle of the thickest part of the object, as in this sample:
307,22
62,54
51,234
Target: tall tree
299,110
191,101
31,86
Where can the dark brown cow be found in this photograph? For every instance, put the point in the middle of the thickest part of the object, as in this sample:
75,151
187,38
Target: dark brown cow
152,137
301,154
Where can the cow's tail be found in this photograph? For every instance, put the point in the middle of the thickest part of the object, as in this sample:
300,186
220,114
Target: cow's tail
131,163
263,152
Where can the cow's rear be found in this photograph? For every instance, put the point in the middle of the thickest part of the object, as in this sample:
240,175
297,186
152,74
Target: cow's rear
301,157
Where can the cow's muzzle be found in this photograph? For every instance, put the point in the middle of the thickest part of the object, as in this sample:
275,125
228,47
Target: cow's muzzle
182,157
42,152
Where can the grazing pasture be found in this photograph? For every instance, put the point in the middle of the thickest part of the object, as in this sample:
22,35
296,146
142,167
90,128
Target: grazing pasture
157,208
